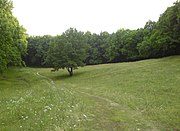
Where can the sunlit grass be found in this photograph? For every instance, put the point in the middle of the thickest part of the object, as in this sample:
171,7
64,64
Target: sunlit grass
140,95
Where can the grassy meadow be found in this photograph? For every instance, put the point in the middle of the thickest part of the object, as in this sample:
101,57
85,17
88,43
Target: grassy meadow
143,95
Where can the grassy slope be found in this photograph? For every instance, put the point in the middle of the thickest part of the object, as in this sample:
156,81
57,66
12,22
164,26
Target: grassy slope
140,95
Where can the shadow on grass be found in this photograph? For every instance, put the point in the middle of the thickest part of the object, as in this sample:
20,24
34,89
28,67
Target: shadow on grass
67,76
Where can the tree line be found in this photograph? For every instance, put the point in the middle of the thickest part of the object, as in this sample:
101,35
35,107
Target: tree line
156,39
74,48
13,43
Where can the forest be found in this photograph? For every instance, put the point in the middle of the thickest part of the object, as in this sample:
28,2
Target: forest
156,39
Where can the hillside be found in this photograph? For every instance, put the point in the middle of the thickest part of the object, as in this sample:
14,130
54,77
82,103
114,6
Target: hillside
141,95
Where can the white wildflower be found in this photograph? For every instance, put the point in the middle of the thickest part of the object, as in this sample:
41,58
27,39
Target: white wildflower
84,115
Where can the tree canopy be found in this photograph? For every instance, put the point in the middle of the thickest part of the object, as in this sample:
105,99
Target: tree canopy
37,50
163,37
67,51
12,38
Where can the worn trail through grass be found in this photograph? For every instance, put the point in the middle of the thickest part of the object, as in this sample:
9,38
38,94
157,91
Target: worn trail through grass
85,93
99,101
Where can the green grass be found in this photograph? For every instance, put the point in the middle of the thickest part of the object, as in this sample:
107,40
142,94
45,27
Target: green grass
143,95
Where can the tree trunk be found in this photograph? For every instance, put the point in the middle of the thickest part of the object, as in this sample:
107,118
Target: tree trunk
70,70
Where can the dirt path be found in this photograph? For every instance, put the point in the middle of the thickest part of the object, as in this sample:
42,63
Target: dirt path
49,81
52,83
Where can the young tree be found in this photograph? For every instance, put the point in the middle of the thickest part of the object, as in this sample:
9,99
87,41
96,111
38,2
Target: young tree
67,51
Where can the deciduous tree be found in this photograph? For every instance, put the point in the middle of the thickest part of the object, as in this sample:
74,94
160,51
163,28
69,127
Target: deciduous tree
68,51
12,37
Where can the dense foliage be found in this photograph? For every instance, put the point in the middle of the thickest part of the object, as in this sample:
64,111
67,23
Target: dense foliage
156,39
12,38
37,50
164,37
